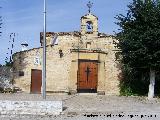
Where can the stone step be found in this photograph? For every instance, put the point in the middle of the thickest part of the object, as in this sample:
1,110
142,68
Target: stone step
31,107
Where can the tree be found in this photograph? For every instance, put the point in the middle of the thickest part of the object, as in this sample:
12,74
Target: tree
139,38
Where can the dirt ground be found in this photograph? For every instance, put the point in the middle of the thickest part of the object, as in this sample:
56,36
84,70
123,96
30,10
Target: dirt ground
92,107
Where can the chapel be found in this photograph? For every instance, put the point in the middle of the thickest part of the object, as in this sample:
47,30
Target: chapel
82,61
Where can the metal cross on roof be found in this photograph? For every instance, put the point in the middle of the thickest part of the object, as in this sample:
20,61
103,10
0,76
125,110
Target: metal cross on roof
89,5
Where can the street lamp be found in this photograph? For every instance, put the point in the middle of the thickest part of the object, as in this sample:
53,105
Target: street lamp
44,55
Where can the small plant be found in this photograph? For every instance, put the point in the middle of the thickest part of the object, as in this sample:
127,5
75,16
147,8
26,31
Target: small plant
8,64
126,91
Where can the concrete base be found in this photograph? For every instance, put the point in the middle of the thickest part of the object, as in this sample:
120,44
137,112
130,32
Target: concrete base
31,107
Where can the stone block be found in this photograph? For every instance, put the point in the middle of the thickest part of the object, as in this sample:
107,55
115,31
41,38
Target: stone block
31,107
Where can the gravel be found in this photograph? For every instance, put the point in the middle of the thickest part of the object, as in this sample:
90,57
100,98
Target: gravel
92,107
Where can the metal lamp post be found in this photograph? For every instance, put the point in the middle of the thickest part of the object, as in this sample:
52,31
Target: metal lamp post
44,56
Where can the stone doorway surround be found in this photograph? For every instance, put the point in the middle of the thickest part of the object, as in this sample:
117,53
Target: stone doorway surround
92,56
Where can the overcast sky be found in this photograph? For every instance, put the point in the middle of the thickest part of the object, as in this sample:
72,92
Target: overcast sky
25,18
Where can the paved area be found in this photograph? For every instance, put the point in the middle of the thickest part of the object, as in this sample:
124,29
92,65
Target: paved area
92,107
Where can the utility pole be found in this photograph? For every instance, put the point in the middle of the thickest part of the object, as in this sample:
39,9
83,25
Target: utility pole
44,55
0,23
12,39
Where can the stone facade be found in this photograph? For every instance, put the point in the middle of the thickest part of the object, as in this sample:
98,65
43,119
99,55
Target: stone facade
63,59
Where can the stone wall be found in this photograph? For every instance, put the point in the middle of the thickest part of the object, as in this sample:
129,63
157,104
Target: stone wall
56,68
111,66
111,76
62,71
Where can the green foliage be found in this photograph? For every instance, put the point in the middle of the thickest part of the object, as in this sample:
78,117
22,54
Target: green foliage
8,64
126,90
139,44
8,90
133,82
139,37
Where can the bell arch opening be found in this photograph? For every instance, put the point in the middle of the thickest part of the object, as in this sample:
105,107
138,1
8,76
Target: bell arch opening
89,27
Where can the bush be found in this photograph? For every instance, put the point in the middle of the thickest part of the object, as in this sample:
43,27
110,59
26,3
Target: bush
133,81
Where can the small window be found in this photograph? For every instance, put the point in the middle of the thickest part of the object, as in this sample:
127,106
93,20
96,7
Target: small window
88,45
21,73
60,53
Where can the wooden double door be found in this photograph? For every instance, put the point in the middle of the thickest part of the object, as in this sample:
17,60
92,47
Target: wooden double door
36,81
87,76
